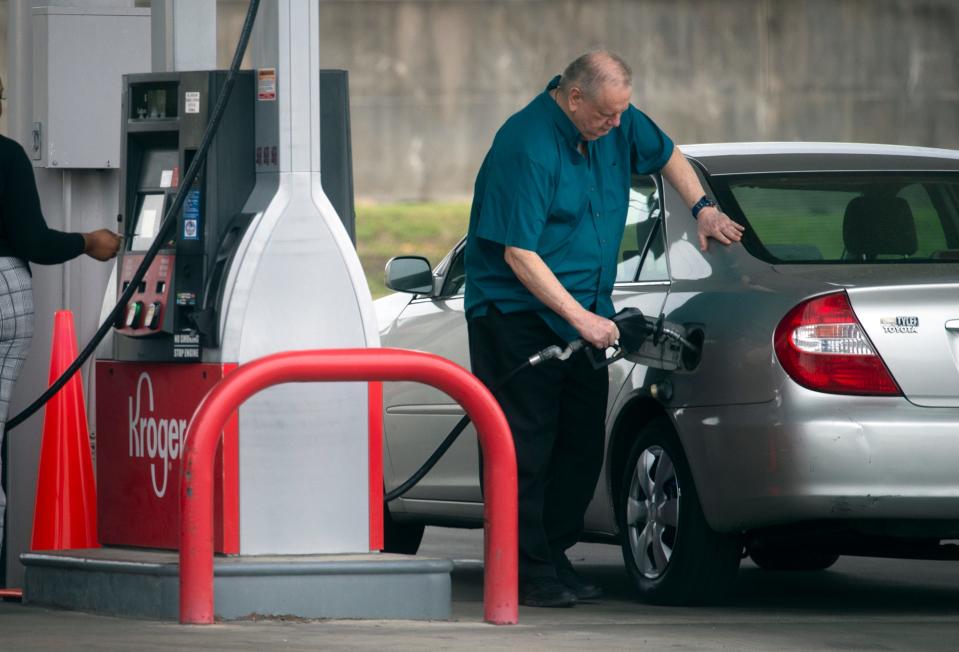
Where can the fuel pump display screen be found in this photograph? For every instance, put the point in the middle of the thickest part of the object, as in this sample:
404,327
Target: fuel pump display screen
149,217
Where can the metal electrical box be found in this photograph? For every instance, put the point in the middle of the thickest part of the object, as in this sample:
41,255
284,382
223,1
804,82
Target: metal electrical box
79,57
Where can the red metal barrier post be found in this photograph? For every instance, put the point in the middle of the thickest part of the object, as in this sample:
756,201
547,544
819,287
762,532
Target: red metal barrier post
375,419
499,468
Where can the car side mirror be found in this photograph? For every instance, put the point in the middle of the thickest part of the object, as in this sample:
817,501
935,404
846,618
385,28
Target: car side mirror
409,274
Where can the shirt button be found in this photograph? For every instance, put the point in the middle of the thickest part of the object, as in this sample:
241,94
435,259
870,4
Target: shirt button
596,214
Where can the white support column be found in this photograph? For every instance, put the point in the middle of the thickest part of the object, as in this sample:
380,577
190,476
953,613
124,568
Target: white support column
296,283
184,35
287,39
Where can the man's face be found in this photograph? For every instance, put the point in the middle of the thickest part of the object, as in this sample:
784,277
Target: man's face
594,117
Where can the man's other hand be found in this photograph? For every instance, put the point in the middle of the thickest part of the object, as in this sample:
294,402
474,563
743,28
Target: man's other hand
713,223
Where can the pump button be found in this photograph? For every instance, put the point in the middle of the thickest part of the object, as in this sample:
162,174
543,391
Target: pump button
161,287
134,310
152,319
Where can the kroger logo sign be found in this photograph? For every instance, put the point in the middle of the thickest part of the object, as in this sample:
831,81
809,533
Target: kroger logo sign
155,438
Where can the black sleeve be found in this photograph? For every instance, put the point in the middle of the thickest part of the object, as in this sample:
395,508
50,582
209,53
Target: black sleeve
23,225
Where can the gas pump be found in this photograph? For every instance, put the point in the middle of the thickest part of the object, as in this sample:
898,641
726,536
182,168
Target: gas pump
172,315
223,290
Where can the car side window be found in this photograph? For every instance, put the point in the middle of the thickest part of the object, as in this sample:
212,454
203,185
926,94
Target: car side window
643,224
455,282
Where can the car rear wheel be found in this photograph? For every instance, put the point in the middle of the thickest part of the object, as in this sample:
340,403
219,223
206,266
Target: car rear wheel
401,538
670,551
792,558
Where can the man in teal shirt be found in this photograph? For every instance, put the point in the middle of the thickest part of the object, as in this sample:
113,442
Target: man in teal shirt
549,210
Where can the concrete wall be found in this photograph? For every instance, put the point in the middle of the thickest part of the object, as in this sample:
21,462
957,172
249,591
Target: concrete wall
432,80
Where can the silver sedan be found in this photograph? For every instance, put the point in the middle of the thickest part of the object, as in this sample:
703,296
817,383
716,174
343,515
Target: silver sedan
819,419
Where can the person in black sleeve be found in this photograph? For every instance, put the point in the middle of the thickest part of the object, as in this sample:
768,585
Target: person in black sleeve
25,238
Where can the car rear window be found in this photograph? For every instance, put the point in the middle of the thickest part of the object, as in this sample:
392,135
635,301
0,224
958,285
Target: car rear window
844,217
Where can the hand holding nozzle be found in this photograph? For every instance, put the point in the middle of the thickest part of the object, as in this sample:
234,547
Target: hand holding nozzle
602,333
102,244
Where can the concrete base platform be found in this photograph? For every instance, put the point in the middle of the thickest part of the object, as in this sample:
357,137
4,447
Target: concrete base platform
145,584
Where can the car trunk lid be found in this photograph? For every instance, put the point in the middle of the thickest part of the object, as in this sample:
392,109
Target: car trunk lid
915,329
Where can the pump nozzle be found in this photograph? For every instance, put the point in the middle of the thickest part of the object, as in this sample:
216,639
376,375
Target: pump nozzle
653,342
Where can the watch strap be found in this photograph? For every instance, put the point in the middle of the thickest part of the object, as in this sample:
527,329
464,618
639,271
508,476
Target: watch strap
700,205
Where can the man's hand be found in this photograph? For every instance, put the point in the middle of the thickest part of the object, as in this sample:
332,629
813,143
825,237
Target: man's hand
713,223
598,331
101,244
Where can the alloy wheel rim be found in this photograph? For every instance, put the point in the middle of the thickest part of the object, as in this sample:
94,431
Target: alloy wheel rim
652,511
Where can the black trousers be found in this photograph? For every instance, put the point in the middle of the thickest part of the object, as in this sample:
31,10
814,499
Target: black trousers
557,413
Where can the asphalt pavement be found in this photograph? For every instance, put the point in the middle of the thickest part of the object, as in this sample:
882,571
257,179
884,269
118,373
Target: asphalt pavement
858,604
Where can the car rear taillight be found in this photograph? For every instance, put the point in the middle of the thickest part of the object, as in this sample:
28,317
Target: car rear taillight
822,346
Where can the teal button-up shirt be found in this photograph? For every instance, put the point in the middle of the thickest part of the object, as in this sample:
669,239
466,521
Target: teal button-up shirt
536,191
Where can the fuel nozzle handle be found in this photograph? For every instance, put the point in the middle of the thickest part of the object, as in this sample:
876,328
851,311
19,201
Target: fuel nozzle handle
634,327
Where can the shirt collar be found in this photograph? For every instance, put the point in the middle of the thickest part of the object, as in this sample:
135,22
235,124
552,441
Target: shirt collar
565,126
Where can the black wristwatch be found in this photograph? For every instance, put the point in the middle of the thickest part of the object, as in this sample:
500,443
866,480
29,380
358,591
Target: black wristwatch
700,205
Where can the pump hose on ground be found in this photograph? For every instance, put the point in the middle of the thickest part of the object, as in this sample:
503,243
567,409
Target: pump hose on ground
166,226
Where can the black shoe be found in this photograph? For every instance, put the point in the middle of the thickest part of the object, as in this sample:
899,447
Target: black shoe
582,589
545,592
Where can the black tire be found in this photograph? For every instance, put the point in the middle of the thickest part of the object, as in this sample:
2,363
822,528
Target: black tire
793,558
401,538
671,553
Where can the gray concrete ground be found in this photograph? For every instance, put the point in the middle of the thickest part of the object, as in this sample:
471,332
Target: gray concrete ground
859,604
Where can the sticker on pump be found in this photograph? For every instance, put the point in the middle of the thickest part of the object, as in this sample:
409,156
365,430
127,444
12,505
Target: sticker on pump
266,84
191,215
166,178
191,102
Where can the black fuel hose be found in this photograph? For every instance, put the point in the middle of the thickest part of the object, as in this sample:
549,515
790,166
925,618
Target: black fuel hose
166,226
549,353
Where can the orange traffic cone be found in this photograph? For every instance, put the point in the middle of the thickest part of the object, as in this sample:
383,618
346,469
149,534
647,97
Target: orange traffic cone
65,514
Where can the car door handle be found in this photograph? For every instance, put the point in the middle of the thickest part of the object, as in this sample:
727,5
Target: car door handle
952,325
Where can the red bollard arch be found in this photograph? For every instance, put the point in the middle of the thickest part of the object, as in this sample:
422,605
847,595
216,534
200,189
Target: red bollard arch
499,460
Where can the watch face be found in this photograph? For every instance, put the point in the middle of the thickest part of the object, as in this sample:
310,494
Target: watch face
701,204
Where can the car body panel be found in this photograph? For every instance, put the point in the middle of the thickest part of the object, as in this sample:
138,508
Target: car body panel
649,298
441,325
810,456
907,326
